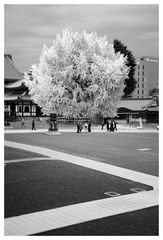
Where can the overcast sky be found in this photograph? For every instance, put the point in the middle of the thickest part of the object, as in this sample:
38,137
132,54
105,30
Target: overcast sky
28,27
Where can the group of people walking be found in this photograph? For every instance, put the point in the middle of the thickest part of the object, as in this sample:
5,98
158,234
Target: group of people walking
86,126
110,126
33,124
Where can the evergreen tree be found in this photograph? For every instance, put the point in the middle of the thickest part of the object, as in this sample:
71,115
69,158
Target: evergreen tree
130,82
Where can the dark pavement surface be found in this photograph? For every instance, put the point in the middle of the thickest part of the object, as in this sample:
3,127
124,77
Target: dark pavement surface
119,149
138,223
26,183
37,186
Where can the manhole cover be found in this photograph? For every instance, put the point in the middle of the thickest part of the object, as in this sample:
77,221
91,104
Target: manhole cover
112,194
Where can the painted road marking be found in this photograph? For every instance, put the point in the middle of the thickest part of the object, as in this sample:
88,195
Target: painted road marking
27,160
38,222
144,149
137,190
112,194
92,164
69,215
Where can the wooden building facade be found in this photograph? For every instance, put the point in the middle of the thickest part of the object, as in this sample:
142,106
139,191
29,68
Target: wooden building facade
17,101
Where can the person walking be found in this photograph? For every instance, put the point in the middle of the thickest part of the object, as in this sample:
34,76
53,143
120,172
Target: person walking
115,125
102,124
86,126
33,125
89,126
22,123
81,127
78,127
107,125
112,125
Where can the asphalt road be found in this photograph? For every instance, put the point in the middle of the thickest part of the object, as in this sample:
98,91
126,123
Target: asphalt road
136,223
40,185
119,149
31,186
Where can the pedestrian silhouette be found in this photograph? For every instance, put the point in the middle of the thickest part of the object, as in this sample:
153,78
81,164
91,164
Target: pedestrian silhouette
33,125
107,125
89,126
22,123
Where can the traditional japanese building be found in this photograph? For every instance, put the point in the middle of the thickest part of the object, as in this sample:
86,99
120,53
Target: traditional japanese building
17,100
134,108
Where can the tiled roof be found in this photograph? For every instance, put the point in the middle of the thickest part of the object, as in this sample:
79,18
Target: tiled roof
10,69
11,96
17,95
153,109
16,84
134,104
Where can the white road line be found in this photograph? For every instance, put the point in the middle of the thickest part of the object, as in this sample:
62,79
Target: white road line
144,149
65,216
27,159
99,166
33,223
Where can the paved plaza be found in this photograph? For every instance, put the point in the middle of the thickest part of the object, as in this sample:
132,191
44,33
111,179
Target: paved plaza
68,179
81,120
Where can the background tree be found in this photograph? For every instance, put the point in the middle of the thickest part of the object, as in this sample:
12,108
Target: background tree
130,82
80,75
